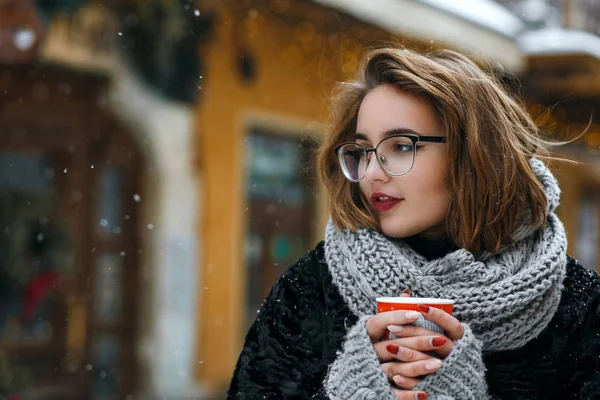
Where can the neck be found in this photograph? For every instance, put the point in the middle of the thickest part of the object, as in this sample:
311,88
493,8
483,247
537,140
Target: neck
433,234
431,247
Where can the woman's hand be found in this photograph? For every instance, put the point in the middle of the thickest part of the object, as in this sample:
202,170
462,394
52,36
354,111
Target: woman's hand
451,326
413,347
412,351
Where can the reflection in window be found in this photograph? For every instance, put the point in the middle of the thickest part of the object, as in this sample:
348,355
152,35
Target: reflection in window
110,201
108,284
25,171
588,235
37,255
104,367
274,164
254,249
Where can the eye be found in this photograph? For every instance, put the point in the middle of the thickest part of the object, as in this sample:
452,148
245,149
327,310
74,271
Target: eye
403,147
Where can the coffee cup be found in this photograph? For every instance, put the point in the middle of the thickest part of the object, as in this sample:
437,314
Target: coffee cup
386,304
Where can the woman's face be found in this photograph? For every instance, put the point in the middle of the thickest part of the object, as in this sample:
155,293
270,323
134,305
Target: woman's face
419,200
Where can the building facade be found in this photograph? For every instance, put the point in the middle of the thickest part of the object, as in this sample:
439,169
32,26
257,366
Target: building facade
271,67
166,148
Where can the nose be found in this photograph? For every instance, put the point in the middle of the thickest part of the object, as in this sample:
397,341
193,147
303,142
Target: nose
374,171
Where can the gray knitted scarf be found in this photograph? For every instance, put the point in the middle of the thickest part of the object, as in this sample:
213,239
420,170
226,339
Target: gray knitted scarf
507,299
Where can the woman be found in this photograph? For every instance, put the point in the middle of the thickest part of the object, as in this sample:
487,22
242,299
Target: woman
436,189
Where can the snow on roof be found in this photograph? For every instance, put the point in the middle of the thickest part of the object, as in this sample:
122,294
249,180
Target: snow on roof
553,41
476,27
485,13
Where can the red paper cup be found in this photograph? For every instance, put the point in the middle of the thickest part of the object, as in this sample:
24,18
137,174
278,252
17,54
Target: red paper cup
385,304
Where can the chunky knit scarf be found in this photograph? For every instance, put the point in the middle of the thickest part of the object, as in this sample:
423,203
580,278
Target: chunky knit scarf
505,299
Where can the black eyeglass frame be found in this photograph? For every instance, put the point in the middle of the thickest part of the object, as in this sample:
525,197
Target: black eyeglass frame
414,140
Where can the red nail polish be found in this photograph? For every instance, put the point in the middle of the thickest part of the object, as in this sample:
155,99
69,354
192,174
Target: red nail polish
438,341
424,308
422,396
392,348
406,291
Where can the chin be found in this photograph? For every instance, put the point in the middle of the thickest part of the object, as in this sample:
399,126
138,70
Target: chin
397,230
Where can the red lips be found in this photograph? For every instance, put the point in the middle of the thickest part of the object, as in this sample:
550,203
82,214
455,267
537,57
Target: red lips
383,201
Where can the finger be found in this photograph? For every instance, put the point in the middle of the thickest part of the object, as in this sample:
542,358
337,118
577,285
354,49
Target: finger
404,382
410,330
406,293
412,369
444,351
389,351
378,323
452,326
409,395
422,343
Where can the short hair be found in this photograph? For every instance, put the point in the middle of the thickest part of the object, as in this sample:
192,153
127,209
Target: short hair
489,134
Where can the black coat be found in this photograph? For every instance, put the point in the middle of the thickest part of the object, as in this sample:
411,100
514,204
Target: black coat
304,320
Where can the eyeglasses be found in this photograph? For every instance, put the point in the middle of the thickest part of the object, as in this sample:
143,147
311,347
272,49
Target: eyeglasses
395,155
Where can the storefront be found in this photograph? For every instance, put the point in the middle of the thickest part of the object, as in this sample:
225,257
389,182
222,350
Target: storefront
98,202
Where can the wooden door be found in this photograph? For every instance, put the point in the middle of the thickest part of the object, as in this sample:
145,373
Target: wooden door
280,210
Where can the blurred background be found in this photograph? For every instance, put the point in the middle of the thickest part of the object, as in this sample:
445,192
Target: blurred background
155,173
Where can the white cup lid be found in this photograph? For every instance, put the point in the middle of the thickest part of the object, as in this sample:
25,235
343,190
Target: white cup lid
413,300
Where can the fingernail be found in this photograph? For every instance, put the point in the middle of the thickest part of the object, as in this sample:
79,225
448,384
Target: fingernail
438,341
395,328
413,315
424,308
422,396
399,380
392,348
433,364
406,291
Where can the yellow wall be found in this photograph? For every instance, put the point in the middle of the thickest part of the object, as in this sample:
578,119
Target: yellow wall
295,75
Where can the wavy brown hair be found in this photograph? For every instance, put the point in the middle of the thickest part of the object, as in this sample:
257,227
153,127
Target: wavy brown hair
489,135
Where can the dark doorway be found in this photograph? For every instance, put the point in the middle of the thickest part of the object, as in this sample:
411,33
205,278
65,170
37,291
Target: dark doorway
69,177
280,210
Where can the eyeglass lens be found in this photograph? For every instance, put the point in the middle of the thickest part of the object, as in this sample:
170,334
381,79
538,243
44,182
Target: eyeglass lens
396,156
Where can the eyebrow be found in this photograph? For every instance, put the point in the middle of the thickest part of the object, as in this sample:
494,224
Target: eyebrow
391,132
